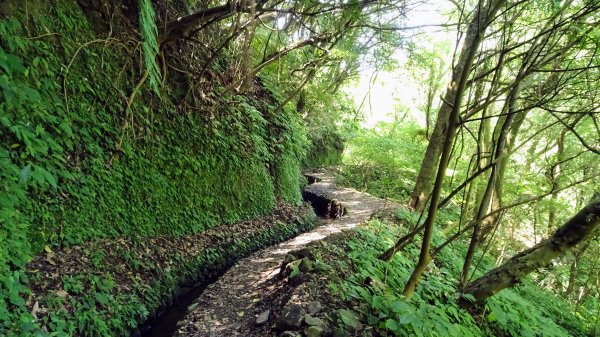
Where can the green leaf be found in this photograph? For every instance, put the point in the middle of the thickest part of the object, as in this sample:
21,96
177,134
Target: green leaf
469,297
408,318
378,302
47,176
25,173
101,298
391,325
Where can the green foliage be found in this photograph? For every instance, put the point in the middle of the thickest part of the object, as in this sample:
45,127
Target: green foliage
17,94
516,316
149,42
288,141
326,150
77,165
383,160
432,311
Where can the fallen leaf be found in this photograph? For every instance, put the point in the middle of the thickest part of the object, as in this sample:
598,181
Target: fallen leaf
34,310
241,314
61,293
47,249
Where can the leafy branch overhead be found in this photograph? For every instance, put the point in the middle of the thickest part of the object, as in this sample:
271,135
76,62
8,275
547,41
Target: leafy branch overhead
150,42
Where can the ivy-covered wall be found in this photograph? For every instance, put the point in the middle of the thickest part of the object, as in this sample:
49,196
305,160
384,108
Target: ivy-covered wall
79,163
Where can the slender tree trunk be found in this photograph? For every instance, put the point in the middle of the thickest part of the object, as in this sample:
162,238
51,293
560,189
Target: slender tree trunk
573,269
452,104
531,154
475,33
488,225
502,148
578,229
555,173
425,178
483,156
433,87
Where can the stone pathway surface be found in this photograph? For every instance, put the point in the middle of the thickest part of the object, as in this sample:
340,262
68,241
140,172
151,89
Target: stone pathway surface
229,306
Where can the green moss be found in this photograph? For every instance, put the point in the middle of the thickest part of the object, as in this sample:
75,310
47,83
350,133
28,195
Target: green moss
288,180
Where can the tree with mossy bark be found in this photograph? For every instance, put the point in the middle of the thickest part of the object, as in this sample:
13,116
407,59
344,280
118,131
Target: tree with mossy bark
581,227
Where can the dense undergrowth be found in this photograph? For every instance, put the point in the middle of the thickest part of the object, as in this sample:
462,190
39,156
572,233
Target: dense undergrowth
383,160
87,153
374,287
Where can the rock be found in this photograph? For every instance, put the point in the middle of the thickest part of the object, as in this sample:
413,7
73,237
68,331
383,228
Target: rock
314,321
304,252
313,331
291,318
306,265
314,307
348,319
297,279
290,268
338,332
309,320
288,259
289,334
263,317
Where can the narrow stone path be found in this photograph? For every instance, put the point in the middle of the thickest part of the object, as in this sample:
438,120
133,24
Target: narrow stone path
229,306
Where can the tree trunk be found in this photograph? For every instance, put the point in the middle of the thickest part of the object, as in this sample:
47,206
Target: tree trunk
573,269
503,142
482,159
578,229
491,222
475,34
555,175
178,28
425,178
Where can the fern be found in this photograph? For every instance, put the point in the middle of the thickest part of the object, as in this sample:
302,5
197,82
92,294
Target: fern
150,42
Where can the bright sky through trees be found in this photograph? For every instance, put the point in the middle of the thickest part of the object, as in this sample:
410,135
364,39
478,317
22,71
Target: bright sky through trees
380,94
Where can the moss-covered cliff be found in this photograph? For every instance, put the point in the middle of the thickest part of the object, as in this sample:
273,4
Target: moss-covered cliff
88,152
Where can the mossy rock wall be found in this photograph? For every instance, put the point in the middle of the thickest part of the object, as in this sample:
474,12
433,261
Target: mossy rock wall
78,163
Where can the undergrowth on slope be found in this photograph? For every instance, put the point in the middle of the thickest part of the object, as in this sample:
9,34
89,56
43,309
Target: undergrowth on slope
375,287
